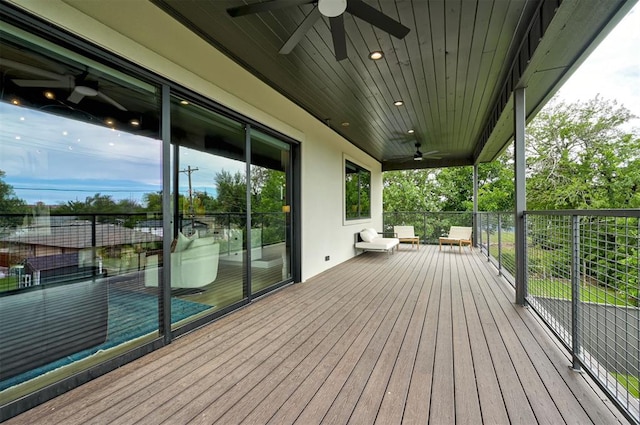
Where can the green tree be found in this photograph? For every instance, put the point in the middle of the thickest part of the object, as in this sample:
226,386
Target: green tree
231,192
580,157
9,202
409,190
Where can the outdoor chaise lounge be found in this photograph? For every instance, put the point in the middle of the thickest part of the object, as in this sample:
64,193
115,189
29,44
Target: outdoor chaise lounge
457,236
371,240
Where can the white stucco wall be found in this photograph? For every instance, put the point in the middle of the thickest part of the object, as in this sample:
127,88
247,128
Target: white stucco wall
145,35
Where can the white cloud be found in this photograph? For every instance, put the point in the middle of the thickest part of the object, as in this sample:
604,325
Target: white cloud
613,68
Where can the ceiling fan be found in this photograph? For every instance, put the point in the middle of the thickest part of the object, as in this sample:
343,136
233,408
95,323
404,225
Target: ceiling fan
418,155
332,9
81,87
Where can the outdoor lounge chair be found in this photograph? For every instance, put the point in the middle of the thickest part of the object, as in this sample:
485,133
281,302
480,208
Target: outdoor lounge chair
407,234
457,236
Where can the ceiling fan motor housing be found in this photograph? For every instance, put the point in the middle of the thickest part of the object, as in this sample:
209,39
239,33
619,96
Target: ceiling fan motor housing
332,8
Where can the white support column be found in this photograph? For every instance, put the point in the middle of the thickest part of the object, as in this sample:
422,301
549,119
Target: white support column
519,114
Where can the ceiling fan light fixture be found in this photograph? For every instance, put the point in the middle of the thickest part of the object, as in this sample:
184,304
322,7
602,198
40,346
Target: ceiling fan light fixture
376,55
49,94
417,156
332,8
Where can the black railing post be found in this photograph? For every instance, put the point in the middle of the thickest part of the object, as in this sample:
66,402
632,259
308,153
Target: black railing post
499,243
424,226
575,291
94,254
488,238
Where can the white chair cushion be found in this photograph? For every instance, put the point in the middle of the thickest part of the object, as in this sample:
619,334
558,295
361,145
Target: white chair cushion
367,235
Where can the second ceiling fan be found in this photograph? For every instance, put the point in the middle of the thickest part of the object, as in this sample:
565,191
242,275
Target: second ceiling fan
332,9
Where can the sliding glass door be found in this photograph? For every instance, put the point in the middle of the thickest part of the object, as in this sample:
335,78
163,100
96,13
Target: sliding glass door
270,212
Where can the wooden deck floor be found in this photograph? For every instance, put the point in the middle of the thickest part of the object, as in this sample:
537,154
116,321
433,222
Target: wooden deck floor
414,337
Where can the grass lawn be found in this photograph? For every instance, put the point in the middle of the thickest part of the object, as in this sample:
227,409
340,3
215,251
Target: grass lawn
8,283
630,382
588,293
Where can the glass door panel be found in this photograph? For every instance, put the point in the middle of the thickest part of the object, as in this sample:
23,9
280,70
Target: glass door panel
270,212
209,246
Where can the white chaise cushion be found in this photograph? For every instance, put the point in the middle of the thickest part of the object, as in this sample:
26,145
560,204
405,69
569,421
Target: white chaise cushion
378,244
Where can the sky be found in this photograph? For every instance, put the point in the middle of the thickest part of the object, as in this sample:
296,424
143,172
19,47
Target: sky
70,160
612,70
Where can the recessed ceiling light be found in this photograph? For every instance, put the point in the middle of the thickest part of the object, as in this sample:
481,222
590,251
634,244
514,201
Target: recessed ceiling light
109,121
184,102
15,101
411,131
398,103
344,124
134,122
375,55
49,94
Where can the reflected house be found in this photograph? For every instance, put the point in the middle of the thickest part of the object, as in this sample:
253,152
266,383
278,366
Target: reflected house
150,226
76,247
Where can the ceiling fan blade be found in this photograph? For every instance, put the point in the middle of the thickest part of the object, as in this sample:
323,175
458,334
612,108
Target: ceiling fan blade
376,18
339,37
264,7
429,153
75,96
50,84
106,98
299,33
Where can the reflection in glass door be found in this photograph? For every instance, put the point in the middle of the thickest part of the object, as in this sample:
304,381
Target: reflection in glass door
210,208
270,212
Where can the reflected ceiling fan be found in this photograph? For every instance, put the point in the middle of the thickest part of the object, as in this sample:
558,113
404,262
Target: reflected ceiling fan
419,155
81,87
332,9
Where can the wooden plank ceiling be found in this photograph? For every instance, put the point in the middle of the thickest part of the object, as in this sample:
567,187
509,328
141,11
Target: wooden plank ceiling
455,70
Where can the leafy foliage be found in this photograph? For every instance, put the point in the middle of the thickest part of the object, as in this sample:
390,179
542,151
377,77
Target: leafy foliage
579,157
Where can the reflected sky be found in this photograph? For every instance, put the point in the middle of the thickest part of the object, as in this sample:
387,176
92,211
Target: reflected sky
53,159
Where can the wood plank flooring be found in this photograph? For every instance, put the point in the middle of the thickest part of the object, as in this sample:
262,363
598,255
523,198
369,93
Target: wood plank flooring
415,337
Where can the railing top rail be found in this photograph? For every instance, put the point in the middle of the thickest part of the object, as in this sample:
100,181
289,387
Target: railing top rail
428,212
584,213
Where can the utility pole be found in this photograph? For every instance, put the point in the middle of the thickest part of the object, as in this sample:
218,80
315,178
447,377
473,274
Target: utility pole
192,214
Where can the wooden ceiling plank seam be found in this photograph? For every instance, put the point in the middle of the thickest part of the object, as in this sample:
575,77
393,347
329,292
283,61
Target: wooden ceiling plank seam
420,71
369,99
479,51
467,20
392,63
452,40
366,70
423,15
437,15
336,68
513,25
482,21
410,43
506,18
386,74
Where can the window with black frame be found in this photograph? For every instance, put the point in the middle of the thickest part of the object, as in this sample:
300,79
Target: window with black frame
357,191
